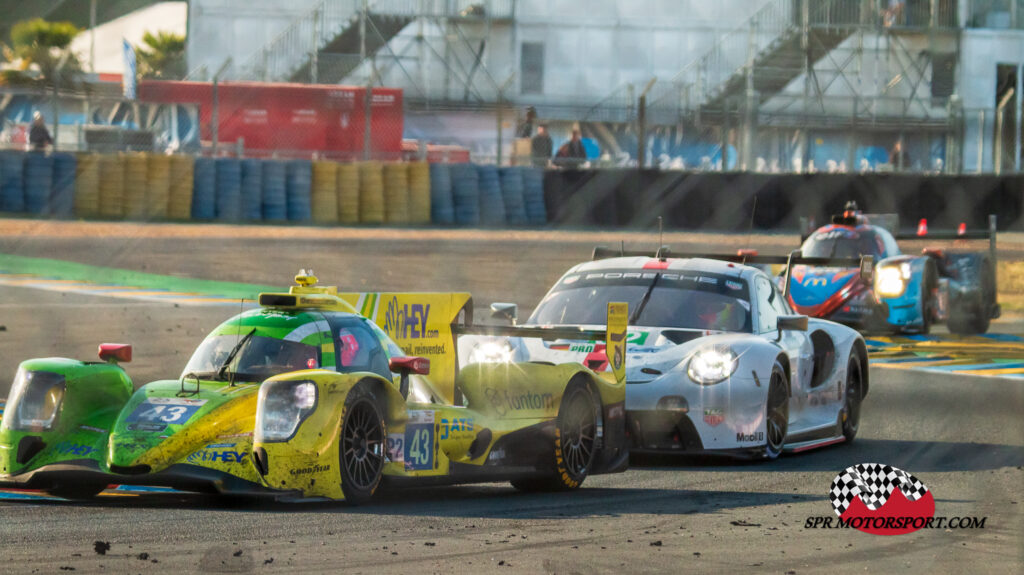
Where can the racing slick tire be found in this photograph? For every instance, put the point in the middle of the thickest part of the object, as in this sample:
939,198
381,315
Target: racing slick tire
362,446
973,317
575,445
77,491
776,413
854,396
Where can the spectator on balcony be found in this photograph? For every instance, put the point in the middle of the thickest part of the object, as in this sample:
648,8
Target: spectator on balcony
525,127
898,157
572,154
38,136
541,147
893,15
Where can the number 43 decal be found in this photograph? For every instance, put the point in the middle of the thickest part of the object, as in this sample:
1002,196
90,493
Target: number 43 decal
419,446
165,410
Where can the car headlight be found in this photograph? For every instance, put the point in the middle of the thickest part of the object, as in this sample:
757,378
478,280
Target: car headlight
891,280
282,407
491,352
710,365
35,401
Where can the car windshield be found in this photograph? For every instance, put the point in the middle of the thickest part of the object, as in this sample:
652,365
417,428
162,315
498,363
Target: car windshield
259,358
843,243
678,300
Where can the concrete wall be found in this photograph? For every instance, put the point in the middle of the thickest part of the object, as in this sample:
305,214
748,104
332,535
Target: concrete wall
981,52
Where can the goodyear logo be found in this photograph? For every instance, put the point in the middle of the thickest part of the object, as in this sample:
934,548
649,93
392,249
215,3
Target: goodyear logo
407,321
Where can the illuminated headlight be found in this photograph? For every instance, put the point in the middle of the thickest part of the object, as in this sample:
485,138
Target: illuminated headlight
282,407
34,401
710,365
491,352
891,281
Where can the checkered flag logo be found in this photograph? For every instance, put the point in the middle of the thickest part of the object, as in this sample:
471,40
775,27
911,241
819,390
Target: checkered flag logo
874,484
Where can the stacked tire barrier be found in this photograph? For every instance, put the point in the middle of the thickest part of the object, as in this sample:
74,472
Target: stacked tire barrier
396,193
298,183
87,186
465,194
62,197
154,187
324,198
179,201
111,186
252,190
12,181
228,190
348,193
419,193
512,194
371,193
275,194
38,176
442,208
492,205
159,189
204,190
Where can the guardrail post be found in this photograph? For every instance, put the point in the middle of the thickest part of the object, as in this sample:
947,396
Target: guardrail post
314,55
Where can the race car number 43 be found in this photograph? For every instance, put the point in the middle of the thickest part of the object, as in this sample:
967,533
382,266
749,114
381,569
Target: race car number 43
166,410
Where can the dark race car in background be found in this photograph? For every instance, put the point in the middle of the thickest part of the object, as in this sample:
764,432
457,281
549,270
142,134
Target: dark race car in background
907,293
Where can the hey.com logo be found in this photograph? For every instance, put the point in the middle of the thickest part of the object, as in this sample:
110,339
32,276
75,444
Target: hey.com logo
885,500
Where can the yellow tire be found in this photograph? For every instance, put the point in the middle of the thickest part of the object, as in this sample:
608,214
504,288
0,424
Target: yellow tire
419,193
324,192
348,193
396,193
179,201
371,193
111,186
159,176
135,185
87,186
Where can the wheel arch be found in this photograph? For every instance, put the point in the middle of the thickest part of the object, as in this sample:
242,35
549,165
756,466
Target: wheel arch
861,349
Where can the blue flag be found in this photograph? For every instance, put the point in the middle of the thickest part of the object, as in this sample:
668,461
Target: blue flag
129,77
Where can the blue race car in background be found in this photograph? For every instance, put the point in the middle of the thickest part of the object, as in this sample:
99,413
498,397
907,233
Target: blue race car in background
906,293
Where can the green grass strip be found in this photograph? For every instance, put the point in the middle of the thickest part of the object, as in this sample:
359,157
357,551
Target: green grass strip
64,270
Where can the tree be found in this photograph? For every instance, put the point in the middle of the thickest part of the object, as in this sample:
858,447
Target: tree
162,56
40,54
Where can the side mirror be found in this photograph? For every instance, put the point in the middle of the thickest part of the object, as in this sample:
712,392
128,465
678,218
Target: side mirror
116,352
867,269
404,366
508,311
792,323
417,365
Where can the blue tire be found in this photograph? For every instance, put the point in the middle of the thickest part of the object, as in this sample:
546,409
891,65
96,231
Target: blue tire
298,191
12,184
274,191
38,182
204,190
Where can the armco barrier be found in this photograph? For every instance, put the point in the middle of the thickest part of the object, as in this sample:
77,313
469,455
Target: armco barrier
12,183
298,181
252,190
275,203
726,201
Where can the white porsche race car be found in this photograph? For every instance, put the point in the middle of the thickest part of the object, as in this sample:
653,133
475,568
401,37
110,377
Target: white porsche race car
716,360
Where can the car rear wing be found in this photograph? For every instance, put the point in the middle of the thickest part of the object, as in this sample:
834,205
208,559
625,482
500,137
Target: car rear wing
749,257
614,335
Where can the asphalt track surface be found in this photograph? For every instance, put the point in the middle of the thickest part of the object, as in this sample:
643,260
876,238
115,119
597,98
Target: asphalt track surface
962,436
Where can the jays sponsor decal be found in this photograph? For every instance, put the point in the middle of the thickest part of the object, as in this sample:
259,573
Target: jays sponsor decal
502,401
455,426
69,448
714,416
210,455
885,500
408,321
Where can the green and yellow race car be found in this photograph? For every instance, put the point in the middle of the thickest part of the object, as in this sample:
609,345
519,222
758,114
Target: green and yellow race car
320,394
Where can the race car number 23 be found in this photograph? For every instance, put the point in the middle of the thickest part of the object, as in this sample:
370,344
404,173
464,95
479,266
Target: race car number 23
165,410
